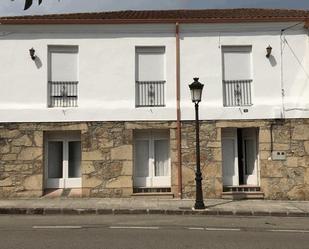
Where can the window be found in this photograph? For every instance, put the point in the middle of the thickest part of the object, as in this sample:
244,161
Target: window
237,76
63,160
63,76
150,76
151,159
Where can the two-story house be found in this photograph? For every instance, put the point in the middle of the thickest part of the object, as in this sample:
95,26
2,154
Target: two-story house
100,102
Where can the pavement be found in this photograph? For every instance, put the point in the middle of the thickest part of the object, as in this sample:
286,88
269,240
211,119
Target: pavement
98,206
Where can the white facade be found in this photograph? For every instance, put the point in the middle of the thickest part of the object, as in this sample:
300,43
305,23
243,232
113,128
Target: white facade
106,70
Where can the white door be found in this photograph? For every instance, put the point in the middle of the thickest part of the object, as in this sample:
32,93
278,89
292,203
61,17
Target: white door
63,158
151,159
249,145
230,157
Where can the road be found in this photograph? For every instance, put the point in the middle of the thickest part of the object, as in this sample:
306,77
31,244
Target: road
152,231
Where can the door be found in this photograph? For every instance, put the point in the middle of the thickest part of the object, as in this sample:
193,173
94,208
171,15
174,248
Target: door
63,159
151,159
249,146
230,157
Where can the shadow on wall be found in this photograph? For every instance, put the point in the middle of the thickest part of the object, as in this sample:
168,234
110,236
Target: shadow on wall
38,62
272,61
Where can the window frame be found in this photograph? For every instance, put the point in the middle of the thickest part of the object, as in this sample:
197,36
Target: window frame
62,94
237,92
151,137
150,93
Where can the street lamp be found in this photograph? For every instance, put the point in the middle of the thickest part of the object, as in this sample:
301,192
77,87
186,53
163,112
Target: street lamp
196,89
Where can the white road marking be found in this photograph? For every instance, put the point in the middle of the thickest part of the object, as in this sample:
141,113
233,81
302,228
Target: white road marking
134,227
221,229
288,231
57,227
196,228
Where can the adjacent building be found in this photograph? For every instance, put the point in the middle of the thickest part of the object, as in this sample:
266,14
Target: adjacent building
100,102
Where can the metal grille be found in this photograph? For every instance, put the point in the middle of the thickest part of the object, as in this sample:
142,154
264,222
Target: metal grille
62,94
237,92
150,93
151,190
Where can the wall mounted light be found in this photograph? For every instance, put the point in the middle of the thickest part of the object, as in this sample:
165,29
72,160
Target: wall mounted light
268,51
32,53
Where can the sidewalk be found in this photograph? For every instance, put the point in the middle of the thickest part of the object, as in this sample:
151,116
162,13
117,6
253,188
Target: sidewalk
49,206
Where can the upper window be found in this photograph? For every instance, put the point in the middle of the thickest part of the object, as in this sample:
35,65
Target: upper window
150,76
63,76
237,75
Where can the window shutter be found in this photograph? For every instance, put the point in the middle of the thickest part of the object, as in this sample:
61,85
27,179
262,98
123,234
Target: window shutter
161,157
142,158
150,63
63,64
74,158
55,159
237,63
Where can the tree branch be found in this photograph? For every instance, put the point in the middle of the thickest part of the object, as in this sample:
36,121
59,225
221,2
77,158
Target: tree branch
28,3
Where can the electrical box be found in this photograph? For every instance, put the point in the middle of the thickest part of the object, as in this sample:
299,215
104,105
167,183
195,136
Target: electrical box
278,155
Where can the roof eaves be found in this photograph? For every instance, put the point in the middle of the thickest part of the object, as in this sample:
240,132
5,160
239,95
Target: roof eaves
147,21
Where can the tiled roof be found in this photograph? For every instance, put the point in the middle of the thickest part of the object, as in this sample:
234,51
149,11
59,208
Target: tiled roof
168,16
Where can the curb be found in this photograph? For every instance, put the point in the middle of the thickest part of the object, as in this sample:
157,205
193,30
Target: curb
102,211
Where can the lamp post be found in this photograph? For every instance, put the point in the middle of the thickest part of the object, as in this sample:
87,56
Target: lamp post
196,89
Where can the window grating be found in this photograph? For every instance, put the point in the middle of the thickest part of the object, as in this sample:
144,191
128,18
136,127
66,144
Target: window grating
62,93
237,92
150,93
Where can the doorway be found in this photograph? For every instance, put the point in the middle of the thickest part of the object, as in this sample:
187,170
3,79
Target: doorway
62,160
152,167
240,156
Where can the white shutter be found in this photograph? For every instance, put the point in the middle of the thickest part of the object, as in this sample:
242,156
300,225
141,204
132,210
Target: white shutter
55,159
161,157
150,63
141,158
237,63
74,159
63,63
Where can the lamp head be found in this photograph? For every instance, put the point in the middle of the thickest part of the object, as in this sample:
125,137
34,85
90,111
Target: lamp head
196,89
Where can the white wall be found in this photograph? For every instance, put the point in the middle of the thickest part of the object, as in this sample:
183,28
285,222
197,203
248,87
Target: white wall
107,71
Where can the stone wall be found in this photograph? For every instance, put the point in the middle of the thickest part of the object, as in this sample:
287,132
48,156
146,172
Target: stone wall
211,160
21,156
107,160
287,179
21,150
107,157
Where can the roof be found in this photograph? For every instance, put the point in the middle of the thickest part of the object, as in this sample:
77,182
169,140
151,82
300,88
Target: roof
165,16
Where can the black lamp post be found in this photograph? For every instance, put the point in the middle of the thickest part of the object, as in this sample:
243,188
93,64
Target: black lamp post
196,89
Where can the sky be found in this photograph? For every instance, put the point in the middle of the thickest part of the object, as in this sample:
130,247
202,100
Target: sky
15,7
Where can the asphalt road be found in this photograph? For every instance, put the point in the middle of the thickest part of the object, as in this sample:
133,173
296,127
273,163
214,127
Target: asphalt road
152,231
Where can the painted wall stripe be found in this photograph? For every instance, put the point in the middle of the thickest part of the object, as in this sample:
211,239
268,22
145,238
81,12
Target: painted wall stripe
221,229
133,227
57,227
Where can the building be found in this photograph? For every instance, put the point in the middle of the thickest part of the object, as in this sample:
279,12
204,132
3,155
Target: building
100,102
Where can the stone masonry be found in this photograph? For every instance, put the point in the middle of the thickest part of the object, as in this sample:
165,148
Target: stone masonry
287,179
107,157
210,150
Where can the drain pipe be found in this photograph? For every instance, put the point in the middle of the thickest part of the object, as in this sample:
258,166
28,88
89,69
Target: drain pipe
178,136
